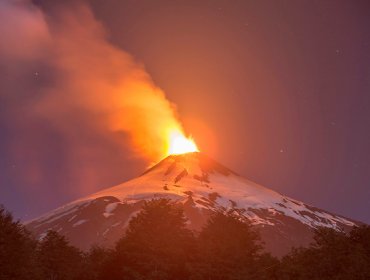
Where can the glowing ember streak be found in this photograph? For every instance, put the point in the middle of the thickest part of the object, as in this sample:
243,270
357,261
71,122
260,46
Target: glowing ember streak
179,144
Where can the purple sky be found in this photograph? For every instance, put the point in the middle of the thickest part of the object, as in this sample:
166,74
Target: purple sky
278,91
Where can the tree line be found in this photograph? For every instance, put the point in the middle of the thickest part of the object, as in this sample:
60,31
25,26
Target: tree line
158,245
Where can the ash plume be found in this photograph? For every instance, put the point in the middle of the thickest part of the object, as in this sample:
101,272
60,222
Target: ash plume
67,76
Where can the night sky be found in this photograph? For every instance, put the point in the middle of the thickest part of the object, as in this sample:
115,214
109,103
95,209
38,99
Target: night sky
278,91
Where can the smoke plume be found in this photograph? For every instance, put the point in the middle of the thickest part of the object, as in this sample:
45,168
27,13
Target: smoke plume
91,77
72,105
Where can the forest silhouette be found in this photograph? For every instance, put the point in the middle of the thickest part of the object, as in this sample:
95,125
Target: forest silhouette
158,245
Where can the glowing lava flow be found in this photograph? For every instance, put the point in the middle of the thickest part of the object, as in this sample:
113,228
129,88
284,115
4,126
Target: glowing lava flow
179,144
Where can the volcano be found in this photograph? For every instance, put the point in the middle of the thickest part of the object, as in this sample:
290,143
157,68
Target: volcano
201,186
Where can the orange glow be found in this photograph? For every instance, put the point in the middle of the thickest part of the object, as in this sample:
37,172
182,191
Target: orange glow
179,144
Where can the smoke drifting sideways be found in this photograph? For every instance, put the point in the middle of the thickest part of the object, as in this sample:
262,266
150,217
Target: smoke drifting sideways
68,92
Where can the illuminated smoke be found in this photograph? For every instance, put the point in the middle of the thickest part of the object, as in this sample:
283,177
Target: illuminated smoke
94,83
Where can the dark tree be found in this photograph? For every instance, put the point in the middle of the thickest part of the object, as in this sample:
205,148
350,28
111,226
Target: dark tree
16,249
57,260
360,237
157,245
94,261
333,255
230,249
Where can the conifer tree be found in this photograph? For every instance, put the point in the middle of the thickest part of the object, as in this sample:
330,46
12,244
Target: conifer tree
56,259
228,248
157,244
16,249
333,255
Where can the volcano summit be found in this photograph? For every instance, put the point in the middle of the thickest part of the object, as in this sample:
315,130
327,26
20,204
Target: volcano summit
202,186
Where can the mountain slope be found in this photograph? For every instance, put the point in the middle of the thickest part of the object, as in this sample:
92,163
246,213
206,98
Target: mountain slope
202,186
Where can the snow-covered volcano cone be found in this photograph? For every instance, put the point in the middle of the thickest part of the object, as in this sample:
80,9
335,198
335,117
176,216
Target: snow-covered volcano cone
202,186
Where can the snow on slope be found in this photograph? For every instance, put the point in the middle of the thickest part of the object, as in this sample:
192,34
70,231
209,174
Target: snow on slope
210,186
